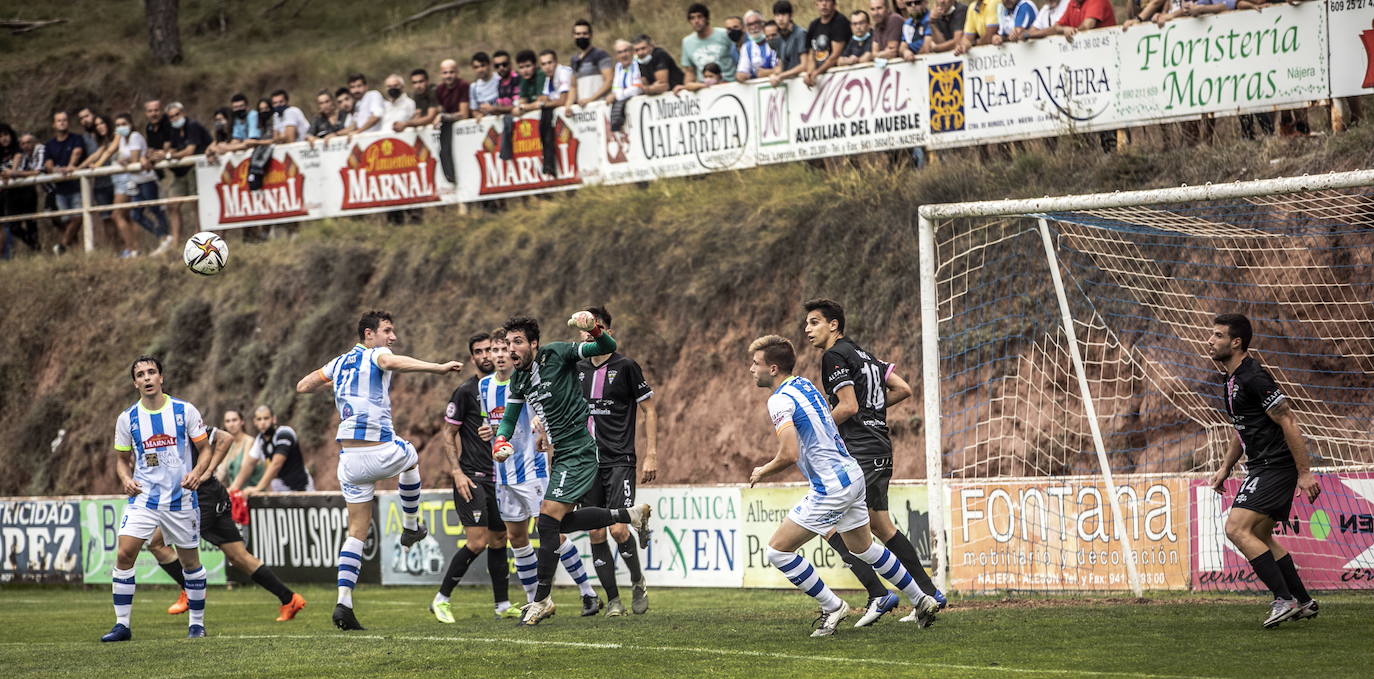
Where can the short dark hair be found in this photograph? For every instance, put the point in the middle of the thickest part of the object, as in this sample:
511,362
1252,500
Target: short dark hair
500,53
498,334
371,321
525,57
601,314
479,337
583,22
325,92
524,325
829,308
776,351
642,37
145,359
282,93
355,77
238,96
342,91
420,71
1237,326
866,16
782,7
712,67
698,8
481,58
549,53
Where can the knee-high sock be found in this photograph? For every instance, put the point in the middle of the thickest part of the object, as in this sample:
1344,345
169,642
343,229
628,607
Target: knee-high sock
499,568
350,560
1290,578
861,570
122,582
548,555
268,580
800,573
892,570
173,570
457,568
195,595
589,518
604,562
526,570
1268,572
905,552
409,485
572,563
629,551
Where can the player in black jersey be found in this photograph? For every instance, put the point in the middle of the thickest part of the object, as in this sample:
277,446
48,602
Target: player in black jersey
616,391
474,490
1276,464
861,388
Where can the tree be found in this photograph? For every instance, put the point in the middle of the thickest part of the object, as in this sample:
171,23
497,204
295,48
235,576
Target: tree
605,11
164,35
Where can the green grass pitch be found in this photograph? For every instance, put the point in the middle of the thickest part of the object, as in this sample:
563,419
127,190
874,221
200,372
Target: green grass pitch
760,634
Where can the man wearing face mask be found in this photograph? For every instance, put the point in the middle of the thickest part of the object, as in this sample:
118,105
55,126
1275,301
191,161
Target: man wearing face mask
591,66
859,49
734,30
245,119
187,139
397,106
657,69
887,30
705,45
756,58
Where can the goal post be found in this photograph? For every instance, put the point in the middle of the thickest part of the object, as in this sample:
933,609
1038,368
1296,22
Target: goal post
1072,413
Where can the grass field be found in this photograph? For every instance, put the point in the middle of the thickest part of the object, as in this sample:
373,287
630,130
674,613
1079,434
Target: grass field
721,633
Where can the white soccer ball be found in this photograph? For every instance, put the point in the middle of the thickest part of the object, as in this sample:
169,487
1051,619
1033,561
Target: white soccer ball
206,253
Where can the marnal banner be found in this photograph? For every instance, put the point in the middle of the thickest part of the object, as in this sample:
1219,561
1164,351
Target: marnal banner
502,156
299,535
40,541
855,110
100,519
1351,43
674,135
1061,535
1332,540
1224,63
1013,91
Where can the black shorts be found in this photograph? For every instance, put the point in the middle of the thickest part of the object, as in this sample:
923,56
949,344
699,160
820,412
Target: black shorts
614,488
877,475
1269,492
482,510
217,525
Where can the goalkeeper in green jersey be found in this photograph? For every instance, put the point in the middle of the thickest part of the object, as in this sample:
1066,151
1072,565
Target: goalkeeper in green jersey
546,379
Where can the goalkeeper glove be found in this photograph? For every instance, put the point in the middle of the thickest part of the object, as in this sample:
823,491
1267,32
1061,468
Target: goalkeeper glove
501,449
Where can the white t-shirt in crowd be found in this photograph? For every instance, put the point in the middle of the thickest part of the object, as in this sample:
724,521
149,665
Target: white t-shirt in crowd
401,110
127,146
560,83
294,117
372,104
1050,13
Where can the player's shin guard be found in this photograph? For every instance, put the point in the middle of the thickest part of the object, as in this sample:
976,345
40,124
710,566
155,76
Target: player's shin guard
173,570
862,571
499,568
350,561
629,551
800,573
892,570
548,555
905,552
122,582
266,579
409,485
526,569
1290,578
1269,573
589,518
457,568
572,563
604,562
195,595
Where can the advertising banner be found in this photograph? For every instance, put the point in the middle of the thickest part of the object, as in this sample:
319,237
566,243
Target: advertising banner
299,535
1061,535
680,134
1351,44
100,519
1223,63
765,508
424,563
1332,541
40,541
850,111
1014,91
504,156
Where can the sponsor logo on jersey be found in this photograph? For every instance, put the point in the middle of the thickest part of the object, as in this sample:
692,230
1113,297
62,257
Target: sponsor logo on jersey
159,441
524,170
281,195
389,172
450,410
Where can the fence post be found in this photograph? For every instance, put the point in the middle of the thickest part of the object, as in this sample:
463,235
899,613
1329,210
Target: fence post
87,224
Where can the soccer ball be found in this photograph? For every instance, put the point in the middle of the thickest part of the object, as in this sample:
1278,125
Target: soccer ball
206,253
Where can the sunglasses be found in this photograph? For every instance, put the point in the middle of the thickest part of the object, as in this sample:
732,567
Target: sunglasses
501,64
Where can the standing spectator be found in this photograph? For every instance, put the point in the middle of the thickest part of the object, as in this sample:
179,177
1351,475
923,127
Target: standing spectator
288,122
100,149
828,33
657,69
329,120
135,186
482,93
531,84
887,30
368,105
507,82
917,35
221,133
859,49
245,119
734,30
17,200
426,102
397,106
157,134
452,93
1047,17
1014,18
1085,15
980,24
756,58
791,47
706,45
625,81
62,154
946,23
278,446
188,138
591,66
558,81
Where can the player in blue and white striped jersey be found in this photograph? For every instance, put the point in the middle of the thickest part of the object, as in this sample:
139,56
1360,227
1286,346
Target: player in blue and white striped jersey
808,437
157,433
369,448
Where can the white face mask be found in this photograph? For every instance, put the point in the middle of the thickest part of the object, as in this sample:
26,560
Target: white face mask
644,59
123,130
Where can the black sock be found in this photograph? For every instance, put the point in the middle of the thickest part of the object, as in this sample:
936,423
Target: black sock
457,567
604,563
1268,572
629,551
589,518
862,571
548,555
499,568
173,568
1290,578
905,552
267,580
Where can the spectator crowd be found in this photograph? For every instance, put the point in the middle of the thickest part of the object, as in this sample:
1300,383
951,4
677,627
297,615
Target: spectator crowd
743,47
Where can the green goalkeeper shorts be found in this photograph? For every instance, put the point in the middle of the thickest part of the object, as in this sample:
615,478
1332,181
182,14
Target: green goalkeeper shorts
572,472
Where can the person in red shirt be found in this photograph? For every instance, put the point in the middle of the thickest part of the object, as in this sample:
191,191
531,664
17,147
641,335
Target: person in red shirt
1085,15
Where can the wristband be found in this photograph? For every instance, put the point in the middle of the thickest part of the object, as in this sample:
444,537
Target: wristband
595,332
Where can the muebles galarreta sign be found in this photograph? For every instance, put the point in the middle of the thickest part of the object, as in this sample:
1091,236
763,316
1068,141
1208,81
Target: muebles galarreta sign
674,135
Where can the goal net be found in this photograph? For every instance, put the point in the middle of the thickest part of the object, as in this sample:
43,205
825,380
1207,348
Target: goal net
1073,414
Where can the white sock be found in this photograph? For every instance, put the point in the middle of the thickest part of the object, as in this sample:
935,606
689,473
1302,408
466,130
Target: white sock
350,561
527,570
502,607
886,565
797,570
122,582
572,563
439,598
195,595
409,485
